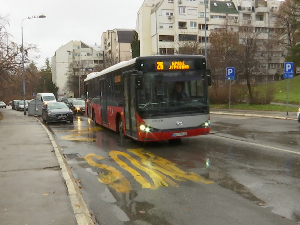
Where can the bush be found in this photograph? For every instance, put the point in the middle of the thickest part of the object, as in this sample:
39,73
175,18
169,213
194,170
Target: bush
220,95
239,94
263,96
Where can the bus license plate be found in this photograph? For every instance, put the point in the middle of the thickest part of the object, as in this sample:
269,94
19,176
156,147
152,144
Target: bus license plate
179,134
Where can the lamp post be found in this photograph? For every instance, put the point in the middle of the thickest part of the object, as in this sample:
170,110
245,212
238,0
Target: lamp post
23,68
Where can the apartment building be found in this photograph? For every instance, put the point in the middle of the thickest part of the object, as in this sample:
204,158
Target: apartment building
164,26
78,57
116,46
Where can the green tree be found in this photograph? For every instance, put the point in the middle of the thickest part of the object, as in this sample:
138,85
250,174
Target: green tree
288,24
135,45
46,79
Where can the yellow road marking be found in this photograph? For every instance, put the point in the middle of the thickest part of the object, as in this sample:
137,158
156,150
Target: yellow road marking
156,178
78,136
157,168
113,178
167,167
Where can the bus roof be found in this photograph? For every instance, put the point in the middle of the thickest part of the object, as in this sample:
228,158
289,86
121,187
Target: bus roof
110,69
132,61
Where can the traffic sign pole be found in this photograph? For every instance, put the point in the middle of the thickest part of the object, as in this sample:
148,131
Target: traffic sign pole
229,93
288,74
230,75
287,96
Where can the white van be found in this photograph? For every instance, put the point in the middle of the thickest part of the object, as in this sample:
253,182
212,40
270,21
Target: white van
46,97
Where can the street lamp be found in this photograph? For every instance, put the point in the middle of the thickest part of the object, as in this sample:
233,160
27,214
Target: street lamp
23,68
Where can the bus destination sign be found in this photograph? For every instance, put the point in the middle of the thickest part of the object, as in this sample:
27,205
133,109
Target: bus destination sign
173,65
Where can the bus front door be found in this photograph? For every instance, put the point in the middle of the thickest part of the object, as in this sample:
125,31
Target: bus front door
103,102
130,105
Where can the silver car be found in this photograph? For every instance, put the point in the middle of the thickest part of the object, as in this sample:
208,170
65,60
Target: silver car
2,104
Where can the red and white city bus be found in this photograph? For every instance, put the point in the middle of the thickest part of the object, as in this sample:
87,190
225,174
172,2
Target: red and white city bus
140,98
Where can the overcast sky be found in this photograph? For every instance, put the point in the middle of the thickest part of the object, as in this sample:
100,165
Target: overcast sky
66,20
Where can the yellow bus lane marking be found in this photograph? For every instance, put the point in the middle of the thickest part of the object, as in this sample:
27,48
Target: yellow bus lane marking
156,178
167,167
157,168
113,178
78,136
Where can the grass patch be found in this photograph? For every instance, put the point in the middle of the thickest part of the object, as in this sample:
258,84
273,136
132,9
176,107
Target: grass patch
280,88
280,108
1,116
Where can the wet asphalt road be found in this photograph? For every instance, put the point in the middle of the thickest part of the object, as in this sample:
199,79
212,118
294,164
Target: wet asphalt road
246,172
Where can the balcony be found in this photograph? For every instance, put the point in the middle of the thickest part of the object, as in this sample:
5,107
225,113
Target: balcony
261,9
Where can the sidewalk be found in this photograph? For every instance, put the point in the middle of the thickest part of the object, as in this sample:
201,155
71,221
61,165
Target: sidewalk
34,186
253,113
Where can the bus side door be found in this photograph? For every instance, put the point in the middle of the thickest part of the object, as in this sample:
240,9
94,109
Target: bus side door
103,101
130,104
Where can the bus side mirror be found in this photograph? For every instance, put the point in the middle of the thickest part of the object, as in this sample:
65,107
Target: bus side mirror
139,81
208,77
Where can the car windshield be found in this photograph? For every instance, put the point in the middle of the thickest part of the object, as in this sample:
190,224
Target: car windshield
78,102
48,98
178,92
2,102
57,105
22,102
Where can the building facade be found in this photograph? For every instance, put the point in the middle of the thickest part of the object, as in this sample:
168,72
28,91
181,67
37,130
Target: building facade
116,46
165,26
74,57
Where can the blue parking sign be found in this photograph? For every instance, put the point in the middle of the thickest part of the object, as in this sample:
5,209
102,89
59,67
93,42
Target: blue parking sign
288,70
230,73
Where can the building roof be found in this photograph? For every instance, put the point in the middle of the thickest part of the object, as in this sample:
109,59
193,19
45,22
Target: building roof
223,7
125,36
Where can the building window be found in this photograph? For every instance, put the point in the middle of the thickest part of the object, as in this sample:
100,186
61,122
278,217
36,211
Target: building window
167,12
182,25
166,51
181,10
202,26
166,38
201,14
170,1
202,39
192,12
187,37
259,18
193,24
165,25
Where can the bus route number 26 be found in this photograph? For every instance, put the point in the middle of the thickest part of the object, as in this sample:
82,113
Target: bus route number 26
160,65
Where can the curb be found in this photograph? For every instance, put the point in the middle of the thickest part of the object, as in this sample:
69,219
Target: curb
79,206
252,115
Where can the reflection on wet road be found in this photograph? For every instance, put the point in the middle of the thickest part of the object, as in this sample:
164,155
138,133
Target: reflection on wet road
125,182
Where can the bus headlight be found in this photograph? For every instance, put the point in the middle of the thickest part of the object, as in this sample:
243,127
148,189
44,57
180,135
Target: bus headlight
146,129
206,124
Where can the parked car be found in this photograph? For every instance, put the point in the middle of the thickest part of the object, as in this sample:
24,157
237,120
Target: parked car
77,106
20,105
298,115
14,104
57,112
2,104
9,103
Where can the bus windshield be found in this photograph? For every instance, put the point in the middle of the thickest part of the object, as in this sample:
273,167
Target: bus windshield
177,92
